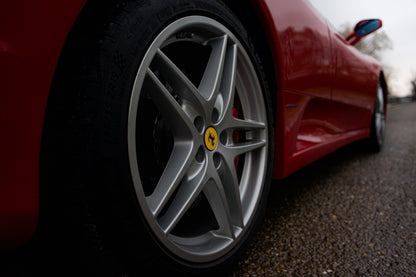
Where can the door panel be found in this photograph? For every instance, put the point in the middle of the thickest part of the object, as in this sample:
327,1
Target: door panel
353,85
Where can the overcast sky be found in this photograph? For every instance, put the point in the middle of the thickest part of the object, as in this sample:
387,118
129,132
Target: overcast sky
399,22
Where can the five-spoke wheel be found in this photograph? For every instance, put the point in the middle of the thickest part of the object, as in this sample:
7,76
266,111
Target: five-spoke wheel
198,138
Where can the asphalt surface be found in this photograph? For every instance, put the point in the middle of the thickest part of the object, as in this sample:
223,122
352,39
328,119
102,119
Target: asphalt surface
352,213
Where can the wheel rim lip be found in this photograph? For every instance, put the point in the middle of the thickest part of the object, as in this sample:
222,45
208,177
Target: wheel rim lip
379,115
178,245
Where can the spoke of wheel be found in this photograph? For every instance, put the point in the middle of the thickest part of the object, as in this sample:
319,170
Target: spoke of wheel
379,118
228,80
188,191
177,79
211,79
217,200
380,102
235,150
229,179
181,125
180,160
246,124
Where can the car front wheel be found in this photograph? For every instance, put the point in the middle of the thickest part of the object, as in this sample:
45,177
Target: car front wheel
378,123
173,124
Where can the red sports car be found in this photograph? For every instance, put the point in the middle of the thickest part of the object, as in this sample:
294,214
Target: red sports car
145,133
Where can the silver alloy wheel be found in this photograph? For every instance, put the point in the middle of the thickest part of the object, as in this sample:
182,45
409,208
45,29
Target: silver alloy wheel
219,134
379,115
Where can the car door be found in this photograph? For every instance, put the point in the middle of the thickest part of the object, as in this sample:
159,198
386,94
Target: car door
353,85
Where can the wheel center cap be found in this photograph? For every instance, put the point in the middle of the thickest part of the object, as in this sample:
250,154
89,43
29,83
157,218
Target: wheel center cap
211,138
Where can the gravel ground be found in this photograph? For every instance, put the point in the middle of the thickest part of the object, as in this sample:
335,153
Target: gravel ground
351,213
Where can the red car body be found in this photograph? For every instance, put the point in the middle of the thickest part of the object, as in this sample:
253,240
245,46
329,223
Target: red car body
325,93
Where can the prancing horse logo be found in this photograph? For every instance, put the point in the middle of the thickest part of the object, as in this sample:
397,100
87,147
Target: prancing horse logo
211,138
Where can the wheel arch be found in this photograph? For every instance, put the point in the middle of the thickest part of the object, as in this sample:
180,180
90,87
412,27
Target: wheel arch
250,14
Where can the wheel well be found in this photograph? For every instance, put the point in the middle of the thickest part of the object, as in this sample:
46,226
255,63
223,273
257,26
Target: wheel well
246,13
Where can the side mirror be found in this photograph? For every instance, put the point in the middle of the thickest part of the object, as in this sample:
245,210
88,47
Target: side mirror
364,28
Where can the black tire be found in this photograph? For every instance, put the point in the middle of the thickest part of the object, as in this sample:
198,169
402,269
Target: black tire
378,122
108,139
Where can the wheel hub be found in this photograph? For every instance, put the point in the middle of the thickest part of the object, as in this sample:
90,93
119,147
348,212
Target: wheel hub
211,138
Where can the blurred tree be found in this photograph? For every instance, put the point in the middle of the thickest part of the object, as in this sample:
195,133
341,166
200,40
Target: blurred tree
373,45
